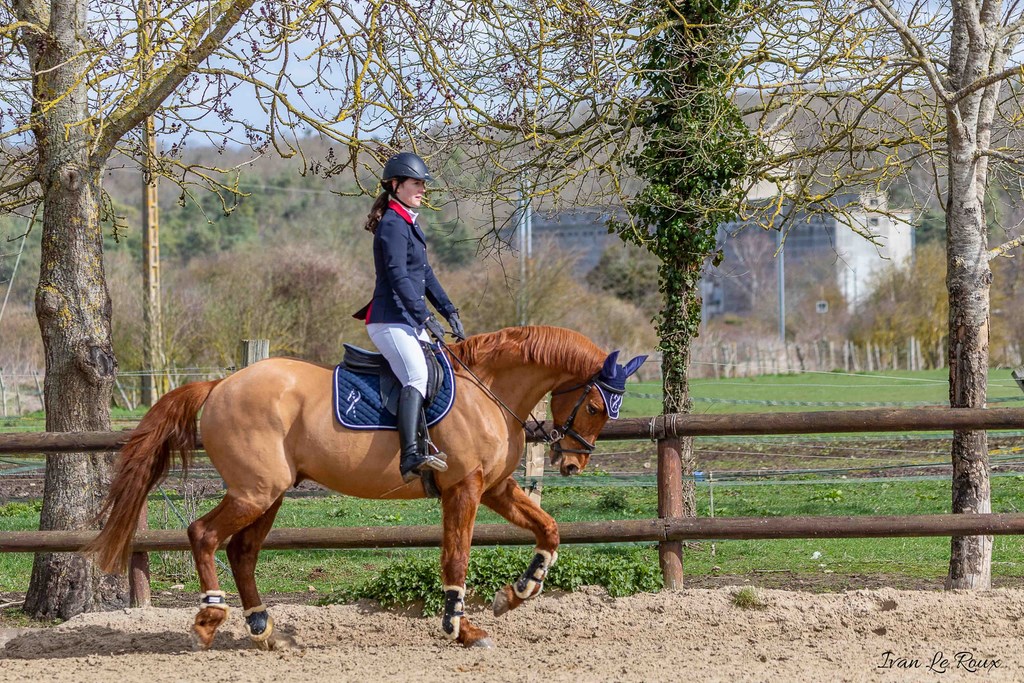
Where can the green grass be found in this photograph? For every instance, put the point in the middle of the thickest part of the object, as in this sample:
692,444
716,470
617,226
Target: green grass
36,420
772,393
332,571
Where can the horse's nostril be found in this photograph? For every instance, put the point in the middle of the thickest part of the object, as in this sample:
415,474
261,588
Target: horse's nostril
572,469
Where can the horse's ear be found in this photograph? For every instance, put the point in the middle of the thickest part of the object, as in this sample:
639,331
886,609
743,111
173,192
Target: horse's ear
609,364
634,365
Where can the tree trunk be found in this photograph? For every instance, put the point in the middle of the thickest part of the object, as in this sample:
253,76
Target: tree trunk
968,281
677,328
73,309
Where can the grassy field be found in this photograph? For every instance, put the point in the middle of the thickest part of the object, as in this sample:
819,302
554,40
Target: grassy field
819,391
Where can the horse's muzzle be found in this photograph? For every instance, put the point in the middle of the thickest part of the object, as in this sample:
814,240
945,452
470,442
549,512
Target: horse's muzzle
569,469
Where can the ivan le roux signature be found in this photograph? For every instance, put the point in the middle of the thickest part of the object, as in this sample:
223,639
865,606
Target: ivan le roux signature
939,663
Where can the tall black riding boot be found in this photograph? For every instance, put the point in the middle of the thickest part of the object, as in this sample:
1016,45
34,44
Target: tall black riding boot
414,459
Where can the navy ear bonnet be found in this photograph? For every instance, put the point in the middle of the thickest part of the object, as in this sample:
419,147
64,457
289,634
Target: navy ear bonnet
611,381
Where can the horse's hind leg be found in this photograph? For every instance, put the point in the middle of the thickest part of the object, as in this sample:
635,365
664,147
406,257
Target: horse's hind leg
206,534
512,503
243,550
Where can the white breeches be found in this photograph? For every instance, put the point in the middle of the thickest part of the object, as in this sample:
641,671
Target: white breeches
401,346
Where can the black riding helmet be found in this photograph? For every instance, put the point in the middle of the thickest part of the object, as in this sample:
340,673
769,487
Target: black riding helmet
405,165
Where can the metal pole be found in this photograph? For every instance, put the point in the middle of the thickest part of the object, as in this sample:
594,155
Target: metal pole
781,271
524,247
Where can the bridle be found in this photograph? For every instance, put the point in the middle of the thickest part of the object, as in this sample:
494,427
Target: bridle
556,435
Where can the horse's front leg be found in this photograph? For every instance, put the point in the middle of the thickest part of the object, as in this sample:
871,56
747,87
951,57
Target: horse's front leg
459,504
512,503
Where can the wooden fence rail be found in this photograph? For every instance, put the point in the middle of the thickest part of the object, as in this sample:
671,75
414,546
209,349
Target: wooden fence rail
622,531
653,428
669,530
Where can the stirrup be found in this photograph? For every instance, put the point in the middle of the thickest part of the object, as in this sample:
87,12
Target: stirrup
430,462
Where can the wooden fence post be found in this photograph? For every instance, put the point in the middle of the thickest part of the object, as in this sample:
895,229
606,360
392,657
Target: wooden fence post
138,572
535,453
253,350
670,504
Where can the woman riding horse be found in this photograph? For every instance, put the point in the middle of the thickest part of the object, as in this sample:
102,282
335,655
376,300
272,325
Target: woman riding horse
397,318
269,426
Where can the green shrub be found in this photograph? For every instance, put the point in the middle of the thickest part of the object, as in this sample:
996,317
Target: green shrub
613,500
417,578
16,509
748,598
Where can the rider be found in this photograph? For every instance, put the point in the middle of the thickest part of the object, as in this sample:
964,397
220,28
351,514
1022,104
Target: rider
397,318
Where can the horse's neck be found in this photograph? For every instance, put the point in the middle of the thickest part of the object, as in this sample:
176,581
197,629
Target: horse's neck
522,388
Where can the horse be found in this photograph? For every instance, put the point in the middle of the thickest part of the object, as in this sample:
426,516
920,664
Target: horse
270,426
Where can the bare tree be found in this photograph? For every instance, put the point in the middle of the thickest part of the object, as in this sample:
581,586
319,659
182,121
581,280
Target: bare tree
494,90
905,91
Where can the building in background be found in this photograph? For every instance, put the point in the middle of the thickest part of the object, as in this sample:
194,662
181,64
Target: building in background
851,243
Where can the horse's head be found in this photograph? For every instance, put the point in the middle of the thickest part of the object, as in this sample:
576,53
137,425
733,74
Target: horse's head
580,410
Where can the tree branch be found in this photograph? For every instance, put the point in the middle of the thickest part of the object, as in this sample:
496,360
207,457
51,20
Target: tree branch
206,34
1005,248
996,154
914,46
981,83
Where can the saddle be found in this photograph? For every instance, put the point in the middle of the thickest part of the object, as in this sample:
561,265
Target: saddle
365,362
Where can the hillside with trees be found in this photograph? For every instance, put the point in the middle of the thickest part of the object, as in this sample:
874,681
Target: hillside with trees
288,260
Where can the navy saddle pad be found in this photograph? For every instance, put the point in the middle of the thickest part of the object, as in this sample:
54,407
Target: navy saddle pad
358,400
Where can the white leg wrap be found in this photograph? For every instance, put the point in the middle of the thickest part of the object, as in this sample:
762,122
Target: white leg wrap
454,610
214,599
252,610
531,583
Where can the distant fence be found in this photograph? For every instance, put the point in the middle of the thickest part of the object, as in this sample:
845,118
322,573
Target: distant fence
669,530
721,359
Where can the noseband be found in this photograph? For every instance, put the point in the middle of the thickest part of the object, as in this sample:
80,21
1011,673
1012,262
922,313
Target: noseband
555,436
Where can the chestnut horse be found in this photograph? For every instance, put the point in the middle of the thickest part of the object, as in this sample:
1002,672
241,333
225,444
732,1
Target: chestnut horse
271,425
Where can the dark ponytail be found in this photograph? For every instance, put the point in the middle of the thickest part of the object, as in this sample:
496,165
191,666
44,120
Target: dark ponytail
380,205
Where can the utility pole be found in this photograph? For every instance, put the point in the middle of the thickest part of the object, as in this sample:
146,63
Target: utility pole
153,379
525,229
780,258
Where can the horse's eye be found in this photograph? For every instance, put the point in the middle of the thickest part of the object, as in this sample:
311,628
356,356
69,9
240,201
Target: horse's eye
591,409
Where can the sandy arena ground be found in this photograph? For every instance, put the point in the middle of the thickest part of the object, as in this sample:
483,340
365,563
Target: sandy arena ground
690,635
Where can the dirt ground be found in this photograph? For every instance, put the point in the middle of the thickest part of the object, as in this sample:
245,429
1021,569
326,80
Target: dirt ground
695,634
810,628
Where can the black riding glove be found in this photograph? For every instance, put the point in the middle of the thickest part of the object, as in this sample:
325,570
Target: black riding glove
458,331
434,328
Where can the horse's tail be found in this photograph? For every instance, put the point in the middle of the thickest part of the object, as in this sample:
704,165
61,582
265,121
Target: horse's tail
170,425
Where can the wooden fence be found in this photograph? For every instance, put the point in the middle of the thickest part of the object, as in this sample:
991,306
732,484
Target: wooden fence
720,359
669,530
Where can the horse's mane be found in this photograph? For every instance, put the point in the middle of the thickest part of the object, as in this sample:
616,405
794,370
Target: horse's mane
553,347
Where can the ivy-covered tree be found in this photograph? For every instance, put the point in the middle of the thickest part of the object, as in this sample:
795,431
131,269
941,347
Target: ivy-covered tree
695,150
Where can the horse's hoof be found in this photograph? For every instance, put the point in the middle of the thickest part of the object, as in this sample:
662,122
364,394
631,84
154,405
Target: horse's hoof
198,644
500,605
278,642
485,643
